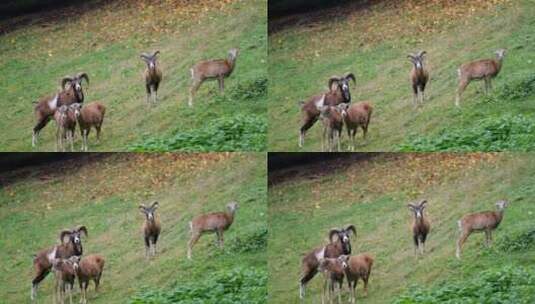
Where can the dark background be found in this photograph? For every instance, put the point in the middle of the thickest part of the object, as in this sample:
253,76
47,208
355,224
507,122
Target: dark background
279,8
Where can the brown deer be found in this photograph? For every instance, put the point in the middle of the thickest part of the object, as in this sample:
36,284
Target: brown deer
486,221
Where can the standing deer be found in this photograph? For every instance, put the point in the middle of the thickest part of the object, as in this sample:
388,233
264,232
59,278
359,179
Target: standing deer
212,69
420,226
484,69
486,221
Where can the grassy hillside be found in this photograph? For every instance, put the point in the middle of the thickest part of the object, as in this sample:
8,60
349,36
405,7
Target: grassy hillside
105,40
373,42
373,195
104,194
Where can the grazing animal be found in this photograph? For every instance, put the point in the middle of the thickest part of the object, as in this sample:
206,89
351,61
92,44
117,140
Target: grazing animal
333,271
485,69
153,76
419,77
338,93
212,69
151,228
65,274
334,249
66,126
71,245
89,116
217,222
420,226
333,123
46,106
355,116
87,269
357,267
486,221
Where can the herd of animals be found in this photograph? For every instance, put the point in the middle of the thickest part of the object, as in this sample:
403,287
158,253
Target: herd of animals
67,107
336,263
67,263
335,108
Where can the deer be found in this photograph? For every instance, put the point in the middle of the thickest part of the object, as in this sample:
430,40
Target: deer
486,221
484,69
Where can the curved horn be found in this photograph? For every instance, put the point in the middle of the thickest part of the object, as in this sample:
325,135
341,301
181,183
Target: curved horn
63,233
156,53
83,75
411,206
142,207
82,229
423,202
333,232
144,56
421,53
352,228
351,76
64,80
331,80
155,205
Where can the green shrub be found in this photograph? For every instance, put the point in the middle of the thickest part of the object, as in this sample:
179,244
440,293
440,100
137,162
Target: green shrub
512,133
513,91
517,242
238,133
505,285
239,285
255,241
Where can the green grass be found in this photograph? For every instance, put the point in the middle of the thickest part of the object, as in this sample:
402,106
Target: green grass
104,194
373,43
373,196
106,43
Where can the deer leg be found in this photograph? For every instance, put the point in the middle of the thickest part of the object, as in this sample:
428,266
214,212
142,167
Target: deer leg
308,122
147,87
41,275
41,123
460,243
462,86
71,139
488,238
194,238
306,276
147,247
193,90
414,95
221,80
365,279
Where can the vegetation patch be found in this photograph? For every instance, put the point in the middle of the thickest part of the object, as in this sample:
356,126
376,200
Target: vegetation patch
503,285
239,133
506,133
239,285
522,241
255,241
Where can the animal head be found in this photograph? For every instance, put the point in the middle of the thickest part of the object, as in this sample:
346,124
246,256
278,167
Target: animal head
150,60
342,108
76,108
342,83
75,82
149,211
502,204
500,53
63,110
232,206
418,208
343,259
343,235
233,54
417,59
74,237
74,261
